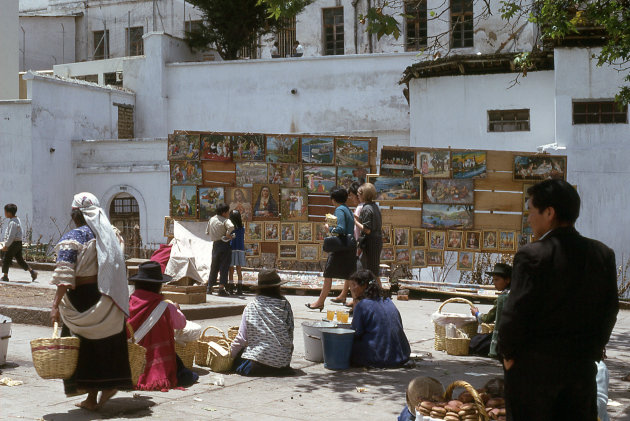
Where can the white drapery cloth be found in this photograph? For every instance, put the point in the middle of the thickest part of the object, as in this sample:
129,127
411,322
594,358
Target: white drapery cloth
102,320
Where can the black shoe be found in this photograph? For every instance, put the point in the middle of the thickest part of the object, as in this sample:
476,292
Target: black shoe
223,293
33,275
239,290
5,279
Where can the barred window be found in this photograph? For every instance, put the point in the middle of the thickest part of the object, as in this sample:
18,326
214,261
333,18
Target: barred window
124,205
461,23
333,31
508,120
134,40
101,44
416,24
599,112
286,37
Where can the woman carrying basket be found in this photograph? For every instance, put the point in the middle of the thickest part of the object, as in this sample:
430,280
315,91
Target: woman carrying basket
92,300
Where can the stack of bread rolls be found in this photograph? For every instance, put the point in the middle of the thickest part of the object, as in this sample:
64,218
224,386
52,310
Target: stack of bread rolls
463,408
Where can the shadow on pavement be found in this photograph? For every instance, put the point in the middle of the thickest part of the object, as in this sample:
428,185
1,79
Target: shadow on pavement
136,407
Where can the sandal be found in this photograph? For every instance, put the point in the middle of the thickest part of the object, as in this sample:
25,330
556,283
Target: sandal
338,300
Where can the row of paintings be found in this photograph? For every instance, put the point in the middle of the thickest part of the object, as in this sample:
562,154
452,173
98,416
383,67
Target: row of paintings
421,258
291,232
269,148
486,240
301,252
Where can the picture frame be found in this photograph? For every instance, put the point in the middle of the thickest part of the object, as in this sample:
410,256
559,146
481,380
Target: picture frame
323,256
250,173
319,231
186,172
252,249
401,236
216,147
522,240
418,237
318,150
347,175
240,199
248,147
418,258
397,162
254,231
469,164
183,147
286,175
283,149
386,232
435,258
169,226
489,242
400,189
287,251
387,254
433,163
272,231
287,232
265,202
472,240
184,203
209,198
352,152
507,240
319,179
402,255
537,167
308,252
293,204
305,232
465,260
449,191
526,227
526,186
454,240
447,216
437,240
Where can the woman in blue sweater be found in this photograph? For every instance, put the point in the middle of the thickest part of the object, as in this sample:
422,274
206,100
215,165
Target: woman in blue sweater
379,339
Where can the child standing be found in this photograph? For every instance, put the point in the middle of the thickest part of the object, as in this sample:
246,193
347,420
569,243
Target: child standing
220,231
238,250
13,244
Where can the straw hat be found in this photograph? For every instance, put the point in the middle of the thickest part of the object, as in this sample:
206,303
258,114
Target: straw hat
269,278
422,388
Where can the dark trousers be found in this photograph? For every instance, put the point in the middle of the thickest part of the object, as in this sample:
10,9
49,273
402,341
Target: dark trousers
545,388
13,251
221,259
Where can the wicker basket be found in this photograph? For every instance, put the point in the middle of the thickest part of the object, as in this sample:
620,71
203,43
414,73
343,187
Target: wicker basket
201,356
137,356
186,352
219,356
457,346
55,358
469,329
487,327
481,408
232,332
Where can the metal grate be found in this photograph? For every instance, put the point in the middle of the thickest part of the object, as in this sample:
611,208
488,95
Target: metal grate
101,44
599,112
508,120
333,31
286,37
462,23
134,41
416,24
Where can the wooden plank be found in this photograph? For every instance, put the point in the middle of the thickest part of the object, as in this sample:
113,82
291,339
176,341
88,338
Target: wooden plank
501,181
401,203
501,221
219,178
402,218
213,166
503,202
320,210
319,200
500,160
269,247
316,218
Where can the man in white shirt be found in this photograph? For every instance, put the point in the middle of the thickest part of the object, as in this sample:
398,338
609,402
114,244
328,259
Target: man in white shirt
13,244
299,50
220,231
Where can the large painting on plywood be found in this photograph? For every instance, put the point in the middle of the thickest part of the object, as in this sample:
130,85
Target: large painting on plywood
539,167
216,147
447,216
184,202
183,146
350,152
318,150
396,188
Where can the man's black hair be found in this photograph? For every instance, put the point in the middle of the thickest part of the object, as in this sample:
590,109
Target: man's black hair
222,208
11,208
339,194
559,195
354,188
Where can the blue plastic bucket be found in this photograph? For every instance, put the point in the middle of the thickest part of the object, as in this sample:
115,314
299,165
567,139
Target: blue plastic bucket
337,348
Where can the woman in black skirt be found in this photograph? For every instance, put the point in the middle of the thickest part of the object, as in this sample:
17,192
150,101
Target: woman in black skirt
370,224
340,264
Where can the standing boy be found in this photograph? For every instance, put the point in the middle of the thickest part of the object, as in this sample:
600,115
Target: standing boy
220,231
13,244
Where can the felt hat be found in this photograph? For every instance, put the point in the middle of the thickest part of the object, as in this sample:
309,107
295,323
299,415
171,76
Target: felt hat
501,269
150,272
269,278
422,388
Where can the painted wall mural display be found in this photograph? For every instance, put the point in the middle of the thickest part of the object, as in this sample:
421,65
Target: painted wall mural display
469,164
455,240
507,240
308,252
386,231
435,258
539,167
320,231
287,251
184,202
254,231
272,231
283,149
351,152
387,254
396,188
250,173
401,236
396,162
489,240
347,175
318,150
418,237
293,204
186,172
319,178
449,191
216,147
418,258
402,255
288,175
209,198
437,240
287,232
240,198
433,164
465,260
248,147
265,202
305,232
252,249
183,147
447,216
473,240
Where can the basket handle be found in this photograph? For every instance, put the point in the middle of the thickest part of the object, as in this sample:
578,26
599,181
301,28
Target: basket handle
481,408
212,327
455,300
55,330
131,332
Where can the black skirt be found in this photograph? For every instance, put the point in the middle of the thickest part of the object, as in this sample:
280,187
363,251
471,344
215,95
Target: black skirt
103,363
341,264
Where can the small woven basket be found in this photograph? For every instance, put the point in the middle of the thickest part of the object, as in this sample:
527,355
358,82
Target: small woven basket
201,356
232,332
457,346
219,356
487,327
469,329
55,358
137,356
186,352
481,408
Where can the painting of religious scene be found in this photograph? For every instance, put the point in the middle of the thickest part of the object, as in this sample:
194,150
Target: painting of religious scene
287,251
248,147
216,147
523,240
449,191
350,152
209,198
285,149
447,216
469,164
288,175
465,260
418,258
454,239
433,163
402,255
526,187
318,150
435,258
386,231
252,249
319,231
186,172
319,179
183,147
287,232
437,240
473,240
401,236
347,175
387,254
305,232
184,202
489,240
265,201
293,204
272,231
240,198
539,167
254,231
309,252
169,226
507,240
418,237
396,162
250,173
396,188
526,228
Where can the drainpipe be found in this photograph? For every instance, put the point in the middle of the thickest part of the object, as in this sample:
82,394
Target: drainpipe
356,18
369,6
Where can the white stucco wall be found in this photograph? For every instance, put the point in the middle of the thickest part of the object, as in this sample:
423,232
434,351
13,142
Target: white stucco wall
49,40
9,47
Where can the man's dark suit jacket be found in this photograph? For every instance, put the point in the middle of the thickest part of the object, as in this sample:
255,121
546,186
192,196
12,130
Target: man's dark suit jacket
563,300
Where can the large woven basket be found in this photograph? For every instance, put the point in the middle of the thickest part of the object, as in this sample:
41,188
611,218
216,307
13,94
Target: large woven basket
137,356
487,327
55,358
219,356
201,356
469,329
186,352
457,346
481,408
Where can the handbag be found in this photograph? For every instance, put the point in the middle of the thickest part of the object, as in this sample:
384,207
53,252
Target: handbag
362,242
336,243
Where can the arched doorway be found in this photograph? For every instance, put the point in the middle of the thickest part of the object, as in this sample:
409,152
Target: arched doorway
124,214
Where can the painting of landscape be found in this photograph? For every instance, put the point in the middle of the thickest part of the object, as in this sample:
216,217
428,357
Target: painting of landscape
447,216
396,188
318,150
352,152
469,164
283,149
319,178
347,175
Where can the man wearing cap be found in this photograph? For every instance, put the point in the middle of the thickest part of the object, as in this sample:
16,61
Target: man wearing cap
486,344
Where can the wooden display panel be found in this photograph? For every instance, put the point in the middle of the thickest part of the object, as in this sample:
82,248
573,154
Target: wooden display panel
496,201
498,181
498,221
218,174
402,217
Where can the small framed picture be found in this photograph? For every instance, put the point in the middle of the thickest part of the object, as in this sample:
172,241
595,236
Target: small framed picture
169,226
287,251
305,232
418,258
523,239
272,231
252,249
418,237
473,240
489,240
254,231
507,240
455,240
401,236
387,234
319,231
387,254
308,252
435,258
402,255
437,240
287,232
465,260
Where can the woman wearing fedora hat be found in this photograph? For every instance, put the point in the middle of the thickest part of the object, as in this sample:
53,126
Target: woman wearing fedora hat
264,344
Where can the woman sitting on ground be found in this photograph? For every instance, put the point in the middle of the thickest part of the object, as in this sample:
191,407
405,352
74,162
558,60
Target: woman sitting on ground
264,344
379,339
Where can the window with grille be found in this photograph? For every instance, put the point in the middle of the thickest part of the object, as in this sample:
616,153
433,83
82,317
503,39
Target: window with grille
250,51
599,112
508,120
461,23
133,39
124,206
101,44
286,37
416,24
193,25
125,122
333,31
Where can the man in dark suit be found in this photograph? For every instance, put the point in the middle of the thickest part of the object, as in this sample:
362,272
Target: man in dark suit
559,315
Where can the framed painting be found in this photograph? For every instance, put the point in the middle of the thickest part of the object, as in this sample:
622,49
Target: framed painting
526,187
526,227
287,175
397,162
449,191
169,226
308,252
305,232
433,163
240,198
254,231
469,164
216,147
396,188
507,241
293,204
347,175
402,255
183,147
272,231
250,173
319,231
184,202
539,167
287,232
283,149
447,216
323,256
386,231
473,240
319,178
418,258
401,236
351,152
185,172
265,201
248,147
252,249
318,150
465,260
418,237
435,258
489,240
455,240
522,240
209,198
287,251
387,254
437,240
